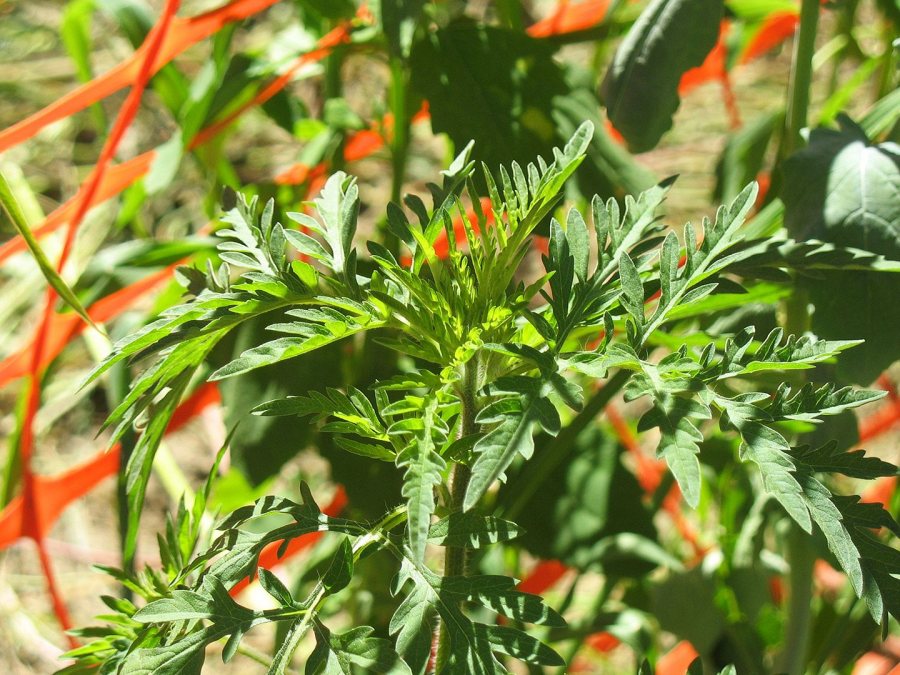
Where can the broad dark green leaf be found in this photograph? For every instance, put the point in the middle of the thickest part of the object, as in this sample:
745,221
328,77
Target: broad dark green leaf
640,89
845,190
399,19
608,168
684,603
509,81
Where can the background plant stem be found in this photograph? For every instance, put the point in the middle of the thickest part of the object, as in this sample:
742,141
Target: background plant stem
801,77
800,554
801,559
398,98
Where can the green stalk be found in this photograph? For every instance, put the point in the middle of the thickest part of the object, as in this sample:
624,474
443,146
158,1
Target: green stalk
801,559
314,601
398,100
510,14
455,558
398,97
255,655
333,88
801,77
799,549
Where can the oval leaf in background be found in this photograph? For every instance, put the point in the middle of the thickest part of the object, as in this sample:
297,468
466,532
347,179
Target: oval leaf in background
844,189
640,89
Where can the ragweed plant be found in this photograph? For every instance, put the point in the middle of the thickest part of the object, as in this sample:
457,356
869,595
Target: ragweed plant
487,358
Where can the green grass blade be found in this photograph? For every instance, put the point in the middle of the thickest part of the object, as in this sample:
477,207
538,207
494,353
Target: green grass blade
14,213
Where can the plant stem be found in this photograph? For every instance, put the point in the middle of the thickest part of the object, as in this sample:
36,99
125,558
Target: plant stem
544,462
255,655
887,68
801,558
454,557
801,77
510,14
333,89
399,103
799,549
312,605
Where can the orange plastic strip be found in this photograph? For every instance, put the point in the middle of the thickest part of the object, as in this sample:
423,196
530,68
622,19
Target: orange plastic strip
55,493
715,69
570,18
775,29
324,46
63,327
678,659
114,181
119,177
30,515
182,34
544,575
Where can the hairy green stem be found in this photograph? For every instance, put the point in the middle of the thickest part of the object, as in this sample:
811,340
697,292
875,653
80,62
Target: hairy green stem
801,77
544,462
255,655
310,608
454,557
